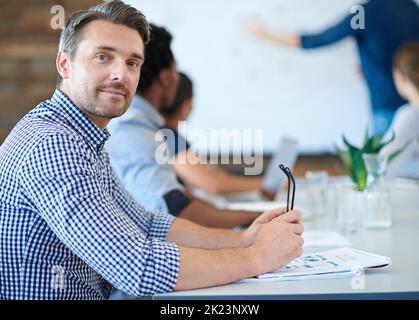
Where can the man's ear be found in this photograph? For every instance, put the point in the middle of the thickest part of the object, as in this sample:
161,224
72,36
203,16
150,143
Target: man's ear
164,77
398,75
63,64
401,82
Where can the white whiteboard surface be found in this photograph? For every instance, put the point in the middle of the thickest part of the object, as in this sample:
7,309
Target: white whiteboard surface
243,83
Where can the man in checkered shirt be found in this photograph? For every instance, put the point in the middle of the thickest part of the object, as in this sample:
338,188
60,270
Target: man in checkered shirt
68,230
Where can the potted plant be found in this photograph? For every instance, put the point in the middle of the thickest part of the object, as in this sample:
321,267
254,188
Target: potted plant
353,161
354,202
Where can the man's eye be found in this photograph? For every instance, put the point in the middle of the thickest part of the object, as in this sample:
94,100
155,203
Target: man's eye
102,57
134,64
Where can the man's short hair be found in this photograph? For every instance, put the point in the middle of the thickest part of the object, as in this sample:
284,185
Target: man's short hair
406,61
158,56
114,11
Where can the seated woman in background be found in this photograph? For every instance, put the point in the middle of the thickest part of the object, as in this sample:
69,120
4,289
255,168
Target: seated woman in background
406,122
189,168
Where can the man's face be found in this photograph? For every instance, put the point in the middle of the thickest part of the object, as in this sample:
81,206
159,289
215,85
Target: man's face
185,110
170,83
104,72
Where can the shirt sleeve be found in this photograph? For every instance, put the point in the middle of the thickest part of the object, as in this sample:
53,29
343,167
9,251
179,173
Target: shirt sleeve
331,35
404,127
176,201
155,225
68,190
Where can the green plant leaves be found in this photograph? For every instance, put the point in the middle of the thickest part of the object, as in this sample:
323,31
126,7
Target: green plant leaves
359,170
348,144
352,158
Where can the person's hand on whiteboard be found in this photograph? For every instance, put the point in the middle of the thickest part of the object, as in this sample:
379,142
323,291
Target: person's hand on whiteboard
256,30
260,32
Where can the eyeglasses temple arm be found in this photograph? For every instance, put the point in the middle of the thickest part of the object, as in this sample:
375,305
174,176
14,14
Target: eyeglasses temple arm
293,187
289,182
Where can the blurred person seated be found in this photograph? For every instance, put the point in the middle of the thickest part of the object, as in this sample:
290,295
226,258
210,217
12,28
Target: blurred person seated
406,121
191,169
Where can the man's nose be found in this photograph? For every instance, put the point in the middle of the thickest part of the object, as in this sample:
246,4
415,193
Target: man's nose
119,71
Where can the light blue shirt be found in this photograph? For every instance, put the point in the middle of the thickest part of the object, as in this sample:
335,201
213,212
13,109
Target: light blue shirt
132,149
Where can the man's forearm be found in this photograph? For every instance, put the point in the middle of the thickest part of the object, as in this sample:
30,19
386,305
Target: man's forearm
189,234
205,268
230,183
277,240
207,215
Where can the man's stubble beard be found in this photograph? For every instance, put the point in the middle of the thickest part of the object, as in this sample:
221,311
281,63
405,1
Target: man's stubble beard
94,108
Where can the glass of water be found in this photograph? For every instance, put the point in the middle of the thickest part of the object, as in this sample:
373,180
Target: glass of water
317,194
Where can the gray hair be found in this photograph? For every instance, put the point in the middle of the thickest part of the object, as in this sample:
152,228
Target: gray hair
114,11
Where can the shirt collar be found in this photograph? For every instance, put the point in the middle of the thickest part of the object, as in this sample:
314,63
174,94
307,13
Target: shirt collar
149,113
79,121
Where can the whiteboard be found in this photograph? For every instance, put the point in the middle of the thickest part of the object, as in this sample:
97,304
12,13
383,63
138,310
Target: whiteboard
243,83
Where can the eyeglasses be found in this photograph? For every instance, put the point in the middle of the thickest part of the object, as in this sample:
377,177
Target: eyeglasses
288,173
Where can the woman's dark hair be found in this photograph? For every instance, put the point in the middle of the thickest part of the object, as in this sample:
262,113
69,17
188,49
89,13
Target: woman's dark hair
406,61
184,92
158,56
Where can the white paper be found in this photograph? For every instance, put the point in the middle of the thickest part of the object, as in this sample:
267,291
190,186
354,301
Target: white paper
324,238
337,274
266,206
256,205
343,262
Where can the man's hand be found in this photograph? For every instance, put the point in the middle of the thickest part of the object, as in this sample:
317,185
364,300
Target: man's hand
273,240
250,233
277,239
268,194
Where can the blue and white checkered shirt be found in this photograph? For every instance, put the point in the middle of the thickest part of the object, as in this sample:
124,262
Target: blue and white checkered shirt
68,230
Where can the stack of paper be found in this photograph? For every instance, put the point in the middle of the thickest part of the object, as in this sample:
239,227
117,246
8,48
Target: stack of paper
344,262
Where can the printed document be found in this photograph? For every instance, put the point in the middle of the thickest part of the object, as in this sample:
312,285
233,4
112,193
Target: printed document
338,263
